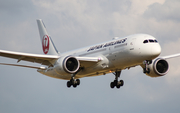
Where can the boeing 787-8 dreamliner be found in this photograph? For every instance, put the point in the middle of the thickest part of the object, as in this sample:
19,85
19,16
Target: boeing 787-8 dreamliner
99,59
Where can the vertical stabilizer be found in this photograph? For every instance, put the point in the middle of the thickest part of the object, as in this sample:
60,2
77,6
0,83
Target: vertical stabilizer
47,43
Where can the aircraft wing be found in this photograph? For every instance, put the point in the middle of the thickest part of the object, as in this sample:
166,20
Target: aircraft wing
35,58
34,67
44,59
171,56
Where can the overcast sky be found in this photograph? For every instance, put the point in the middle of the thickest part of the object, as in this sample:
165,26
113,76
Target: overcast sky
73,24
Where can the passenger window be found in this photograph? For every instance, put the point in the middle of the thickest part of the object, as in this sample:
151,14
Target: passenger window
151,40
145,41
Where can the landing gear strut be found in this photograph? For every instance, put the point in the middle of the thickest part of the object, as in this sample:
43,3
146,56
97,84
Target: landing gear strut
117,83
146,63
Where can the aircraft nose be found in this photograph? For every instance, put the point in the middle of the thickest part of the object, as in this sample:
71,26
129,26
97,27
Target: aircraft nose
156,50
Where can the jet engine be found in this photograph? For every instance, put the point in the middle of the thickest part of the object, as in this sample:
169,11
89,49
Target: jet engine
159,67
67,65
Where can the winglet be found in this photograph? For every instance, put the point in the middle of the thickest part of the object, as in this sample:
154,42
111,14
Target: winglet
47,43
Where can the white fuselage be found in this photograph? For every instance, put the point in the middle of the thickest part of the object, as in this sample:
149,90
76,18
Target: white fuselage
117,54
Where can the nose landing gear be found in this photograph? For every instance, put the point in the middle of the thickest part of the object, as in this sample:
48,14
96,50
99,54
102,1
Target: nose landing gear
146,63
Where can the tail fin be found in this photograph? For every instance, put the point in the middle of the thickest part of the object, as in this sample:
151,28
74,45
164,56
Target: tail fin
47,43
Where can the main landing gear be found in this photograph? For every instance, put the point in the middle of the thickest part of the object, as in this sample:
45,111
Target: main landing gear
73,82
117,83
146,63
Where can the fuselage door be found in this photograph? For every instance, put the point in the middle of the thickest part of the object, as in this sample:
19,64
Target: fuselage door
132,43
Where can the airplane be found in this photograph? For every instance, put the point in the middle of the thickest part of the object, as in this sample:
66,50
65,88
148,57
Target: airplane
108,57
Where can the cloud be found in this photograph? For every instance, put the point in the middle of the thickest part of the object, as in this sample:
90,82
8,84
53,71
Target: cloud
102,19
15,7
164,12
138,7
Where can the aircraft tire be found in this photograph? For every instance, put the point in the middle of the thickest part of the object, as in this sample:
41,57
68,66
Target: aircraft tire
118,86
77,81
112,85
74,85
115,82
68,84
121,82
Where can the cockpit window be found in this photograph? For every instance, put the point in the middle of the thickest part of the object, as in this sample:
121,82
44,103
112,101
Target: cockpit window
150,40
155,41
145,41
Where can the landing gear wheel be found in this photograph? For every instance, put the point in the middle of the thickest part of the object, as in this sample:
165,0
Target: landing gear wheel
118,86
77,81
68,84
112,85
115,82
74,85
121,82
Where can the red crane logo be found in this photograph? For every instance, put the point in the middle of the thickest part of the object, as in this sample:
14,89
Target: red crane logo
45,44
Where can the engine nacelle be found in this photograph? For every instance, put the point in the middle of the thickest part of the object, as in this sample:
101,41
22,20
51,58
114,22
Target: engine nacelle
159,67
67,65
